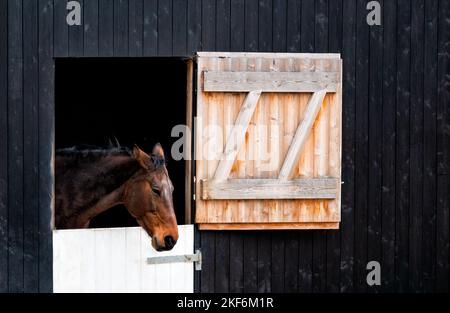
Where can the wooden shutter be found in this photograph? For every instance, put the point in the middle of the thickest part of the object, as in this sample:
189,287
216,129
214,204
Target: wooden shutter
268,141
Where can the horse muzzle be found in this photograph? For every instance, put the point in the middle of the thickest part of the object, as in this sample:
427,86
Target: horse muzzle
169,243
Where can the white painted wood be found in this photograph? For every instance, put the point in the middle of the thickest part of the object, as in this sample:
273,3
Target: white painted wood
132,260
301,135
237,135
236,189
102,253
87,262
115,260
306,81
118,265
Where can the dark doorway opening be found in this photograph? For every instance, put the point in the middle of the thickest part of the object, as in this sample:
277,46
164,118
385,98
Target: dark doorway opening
134,100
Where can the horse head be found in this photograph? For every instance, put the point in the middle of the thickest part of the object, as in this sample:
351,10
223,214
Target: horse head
148,197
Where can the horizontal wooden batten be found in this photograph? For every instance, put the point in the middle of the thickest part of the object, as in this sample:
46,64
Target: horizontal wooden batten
305,81
268,226
249,189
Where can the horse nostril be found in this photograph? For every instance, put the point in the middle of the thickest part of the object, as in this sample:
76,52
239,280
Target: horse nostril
169,242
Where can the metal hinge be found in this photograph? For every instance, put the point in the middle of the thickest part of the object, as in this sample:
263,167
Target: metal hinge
195,258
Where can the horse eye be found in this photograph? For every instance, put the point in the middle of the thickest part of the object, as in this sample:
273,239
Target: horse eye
157,191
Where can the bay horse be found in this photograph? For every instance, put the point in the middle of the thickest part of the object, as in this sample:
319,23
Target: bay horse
90,181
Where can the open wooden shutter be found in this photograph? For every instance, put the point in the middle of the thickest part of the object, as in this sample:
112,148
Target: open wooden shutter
268,141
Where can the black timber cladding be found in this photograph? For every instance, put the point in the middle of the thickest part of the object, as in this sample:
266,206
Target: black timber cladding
396,138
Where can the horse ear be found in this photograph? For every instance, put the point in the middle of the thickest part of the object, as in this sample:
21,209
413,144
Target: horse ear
158,150
142,157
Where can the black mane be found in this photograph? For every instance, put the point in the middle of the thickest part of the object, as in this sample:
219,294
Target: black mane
91,151
86,153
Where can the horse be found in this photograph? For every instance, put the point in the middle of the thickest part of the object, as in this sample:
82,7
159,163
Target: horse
91,181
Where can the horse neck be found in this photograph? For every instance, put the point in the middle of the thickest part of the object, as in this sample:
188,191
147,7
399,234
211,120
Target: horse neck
112,174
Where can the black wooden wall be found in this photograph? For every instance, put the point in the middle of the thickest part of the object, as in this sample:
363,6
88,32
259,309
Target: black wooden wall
396,125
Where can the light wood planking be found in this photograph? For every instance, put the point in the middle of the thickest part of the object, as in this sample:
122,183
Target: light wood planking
269,55
251,189
237,136
270,81
269,226
285,110
290,165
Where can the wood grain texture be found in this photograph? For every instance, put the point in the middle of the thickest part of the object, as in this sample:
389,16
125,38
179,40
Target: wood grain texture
241,189
270,81
257,148
267,226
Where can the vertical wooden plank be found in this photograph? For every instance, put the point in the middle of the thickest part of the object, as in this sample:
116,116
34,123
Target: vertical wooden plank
321,135
443,152
208,262
210,114
76,35
335,124
292,29
374,208
402,149
251,25
91,27
135,27
46,140
225,120
67,261
150,28
237,23
303,281
223,25
120,28
250,262
389,148
61,31
291,119
194,26
348,146
277,248
280,23
103,271
361,142
236,252
208,27
278,262
179,40
149,275
132,259
148,271
15,147
30,141
87,257
236,284
265,12
165,27
307,25
106,27
416,145
3,143
263,118
429,146
56,261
